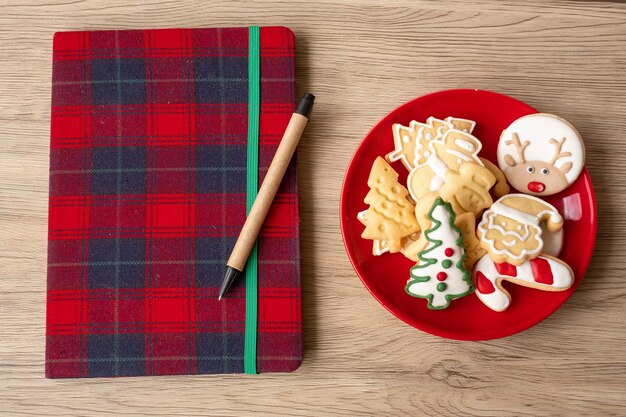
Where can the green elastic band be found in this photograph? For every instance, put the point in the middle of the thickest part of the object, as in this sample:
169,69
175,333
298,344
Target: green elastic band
252,187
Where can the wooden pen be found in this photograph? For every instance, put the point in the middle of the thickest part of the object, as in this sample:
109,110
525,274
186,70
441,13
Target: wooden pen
267,191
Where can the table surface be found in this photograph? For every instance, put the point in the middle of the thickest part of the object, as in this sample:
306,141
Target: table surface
362,59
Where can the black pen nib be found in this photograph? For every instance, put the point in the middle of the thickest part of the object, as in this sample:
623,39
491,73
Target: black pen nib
230,277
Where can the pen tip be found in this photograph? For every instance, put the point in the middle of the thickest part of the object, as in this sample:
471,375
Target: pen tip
230,277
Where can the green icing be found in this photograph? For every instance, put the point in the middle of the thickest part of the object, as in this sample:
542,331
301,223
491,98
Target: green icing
426,260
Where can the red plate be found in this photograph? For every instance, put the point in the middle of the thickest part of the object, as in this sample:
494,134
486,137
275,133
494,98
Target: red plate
385,276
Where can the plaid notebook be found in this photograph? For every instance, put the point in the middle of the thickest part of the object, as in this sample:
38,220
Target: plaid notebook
148,195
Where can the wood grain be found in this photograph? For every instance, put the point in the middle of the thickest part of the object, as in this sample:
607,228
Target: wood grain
361,59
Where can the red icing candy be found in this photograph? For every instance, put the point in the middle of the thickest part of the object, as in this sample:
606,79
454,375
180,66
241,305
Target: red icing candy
449,252
506,269
542,273
483,285
442,276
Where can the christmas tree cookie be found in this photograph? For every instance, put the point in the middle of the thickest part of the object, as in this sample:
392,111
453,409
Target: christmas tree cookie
390,216
440,276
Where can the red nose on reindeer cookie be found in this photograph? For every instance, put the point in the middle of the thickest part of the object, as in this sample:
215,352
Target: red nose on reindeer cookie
541,154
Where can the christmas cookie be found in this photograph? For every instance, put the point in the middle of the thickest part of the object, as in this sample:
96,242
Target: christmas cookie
510,230
391,216
464,125
440,275
466,223
447,154
412,142
380,246
541,154
543,273
406,139
501,187
468,188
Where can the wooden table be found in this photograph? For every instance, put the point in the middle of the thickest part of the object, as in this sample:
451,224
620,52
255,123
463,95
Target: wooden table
361,59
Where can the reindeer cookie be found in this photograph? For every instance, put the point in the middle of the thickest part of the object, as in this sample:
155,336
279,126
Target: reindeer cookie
510,230
541,154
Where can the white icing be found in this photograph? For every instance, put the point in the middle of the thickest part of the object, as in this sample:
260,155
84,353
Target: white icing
445,123
467,121
513,213
501,228
399,140
439,168
500,299
409,182
465,144
488,223
436,183
379,247
421,135
523,217
538,129
455,282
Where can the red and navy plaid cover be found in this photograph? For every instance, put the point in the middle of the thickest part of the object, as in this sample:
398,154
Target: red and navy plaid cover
148,195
